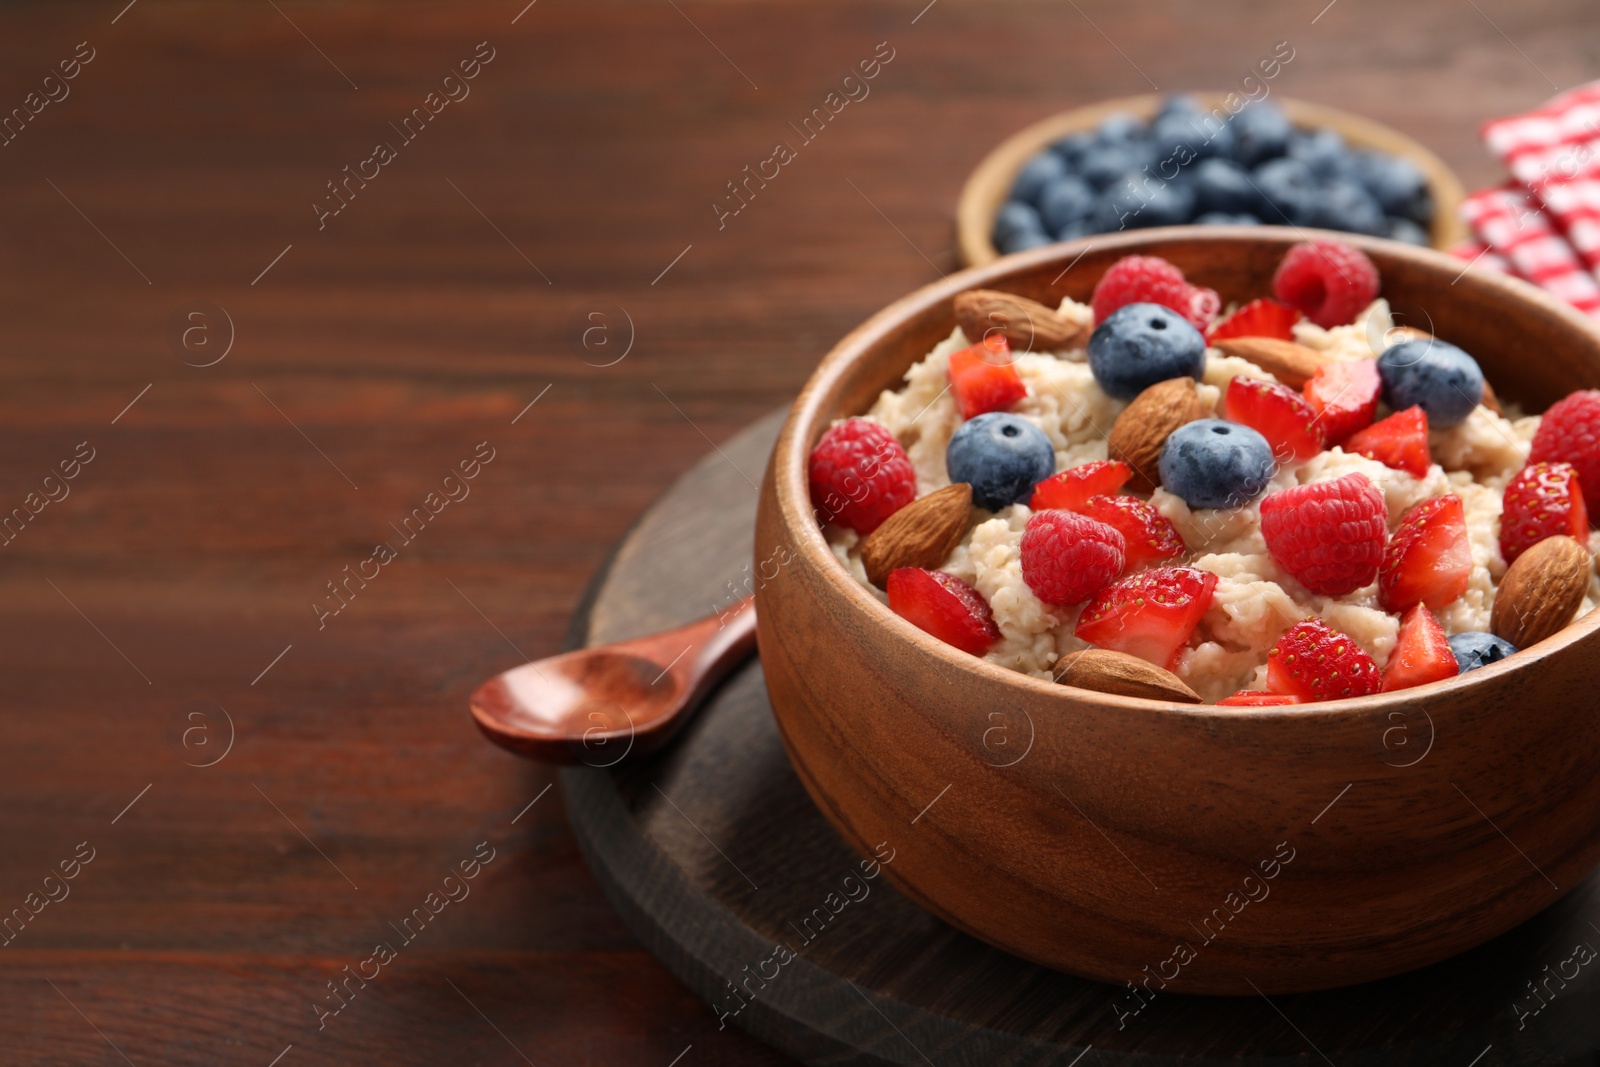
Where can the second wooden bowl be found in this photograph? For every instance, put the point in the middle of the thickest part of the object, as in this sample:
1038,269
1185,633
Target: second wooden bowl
1178,847
990,184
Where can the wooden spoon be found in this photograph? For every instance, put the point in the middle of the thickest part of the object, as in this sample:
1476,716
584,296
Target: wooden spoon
600,705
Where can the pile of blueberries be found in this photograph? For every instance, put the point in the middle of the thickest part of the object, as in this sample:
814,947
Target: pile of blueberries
1191,165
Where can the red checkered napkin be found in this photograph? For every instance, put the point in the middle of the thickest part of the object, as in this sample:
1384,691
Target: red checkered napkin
1477,254
1514,224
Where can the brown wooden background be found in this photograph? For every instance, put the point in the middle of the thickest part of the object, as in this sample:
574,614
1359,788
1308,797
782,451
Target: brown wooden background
377,353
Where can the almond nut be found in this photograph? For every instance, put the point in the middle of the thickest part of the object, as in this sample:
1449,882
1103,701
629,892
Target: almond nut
1120,674
1292,364
1489,400
1028,325
1541,591
1146,423
921,534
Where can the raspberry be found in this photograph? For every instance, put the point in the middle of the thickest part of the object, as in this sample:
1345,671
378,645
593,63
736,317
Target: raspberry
1259,318
1570,433
1148,535
1152,280
1329,535
1313,661
1541,500
943,605
1068,557
1073,487
1151,615
860,475
1328,280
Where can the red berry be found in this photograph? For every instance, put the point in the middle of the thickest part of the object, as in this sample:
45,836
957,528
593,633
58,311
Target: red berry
984,379
1400,441
1256,698
1421,652
1570,433
1151,615
1259,318
1541,500
1068,557
1345,396
1073,487
1313,661
943,605
1329,535
1148,535
860,475
1152,280
1428,559
1328,280
1278,413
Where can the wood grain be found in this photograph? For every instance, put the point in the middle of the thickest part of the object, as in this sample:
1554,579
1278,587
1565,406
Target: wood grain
397,339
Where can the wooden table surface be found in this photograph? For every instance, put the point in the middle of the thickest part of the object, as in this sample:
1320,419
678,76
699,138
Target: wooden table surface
178,590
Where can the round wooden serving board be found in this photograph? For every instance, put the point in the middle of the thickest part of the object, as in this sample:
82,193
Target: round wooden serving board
718,861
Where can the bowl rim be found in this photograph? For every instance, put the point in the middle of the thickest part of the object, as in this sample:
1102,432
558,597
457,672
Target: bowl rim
997,170
787,473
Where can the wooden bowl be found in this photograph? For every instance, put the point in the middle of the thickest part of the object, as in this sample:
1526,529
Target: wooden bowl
989,186
1196,848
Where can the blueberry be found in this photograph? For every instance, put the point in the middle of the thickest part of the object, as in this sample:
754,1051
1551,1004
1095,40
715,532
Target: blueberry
1261,132
1475,649
1015,220
1222,185
1445,381
1212,463
1222,218
1037,175
1289,188
1344,205
1396,183
1119,127
1075,229
1407,231
1065,200
1183,136
1323,151
1073,148
1105,164
1001,456
1021,242
1139,345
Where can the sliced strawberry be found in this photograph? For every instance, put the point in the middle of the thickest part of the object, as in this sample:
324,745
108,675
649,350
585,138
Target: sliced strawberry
1151,614
1541,500
1400,441
1345,396
1428,559
1259,318
1278,413
944,606
1256,698
983,378
1072,488
1313,661
1149,536
1421,652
